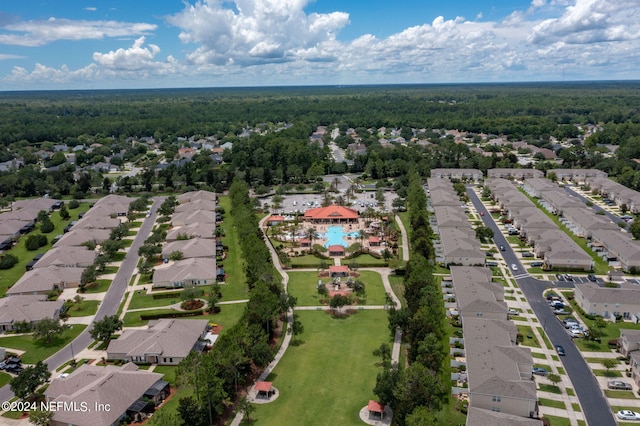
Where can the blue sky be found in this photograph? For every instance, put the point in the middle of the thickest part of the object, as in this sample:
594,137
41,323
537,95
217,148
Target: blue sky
82,44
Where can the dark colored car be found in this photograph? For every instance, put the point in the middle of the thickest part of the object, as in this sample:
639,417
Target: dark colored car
539,371
592,278
560,350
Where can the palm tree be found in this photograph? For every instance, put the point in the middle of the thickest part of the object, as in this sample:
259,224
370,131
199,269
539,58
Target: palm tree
311,235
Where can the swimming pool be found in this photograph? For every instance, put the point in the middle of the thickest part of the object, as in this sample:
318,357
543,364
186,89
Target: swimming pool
336,236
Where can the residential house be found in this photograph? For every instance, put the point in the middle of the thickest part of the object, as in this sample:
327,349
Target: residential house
629,341
78,237
461,174
618,246
576,175
196,216
604,301
520,174
30,309
43,280
194,247
196,271
476,294
124,390
165,342
199,204
196,196
68,257
192,230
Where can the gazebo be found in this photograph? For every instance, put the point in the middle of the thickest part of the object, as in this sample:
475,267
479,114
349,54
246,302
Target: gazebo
264,389
336,250
374,241
375,409
339,271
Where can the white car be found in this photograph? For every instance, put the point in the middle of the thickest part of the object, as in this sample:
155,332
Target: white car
514,267
628,415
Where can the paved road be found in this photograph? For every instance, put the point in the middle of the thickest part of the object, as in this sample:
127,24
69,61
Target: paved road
109,305
594,404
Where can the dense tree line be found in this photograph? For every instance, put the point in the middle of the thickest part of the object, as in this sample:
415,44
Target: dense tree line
514,109
420,389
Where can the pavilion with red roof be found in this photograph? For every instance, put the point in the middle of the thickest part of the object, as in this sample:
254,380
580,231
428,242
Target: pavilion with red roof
375,409
336,250
339,271
374,241
264,389
331,214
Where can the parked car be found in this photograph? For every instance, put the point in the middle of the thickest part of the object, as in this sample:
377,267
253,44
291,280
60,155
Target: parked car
576,333
559,277
561,311
536,264
539,371
628,415
568,277
527,254
513,312
617,384
592,278
560,350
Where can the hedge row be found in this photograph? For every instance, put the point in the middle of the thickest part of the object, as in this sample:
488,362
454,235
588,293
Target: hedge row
146,317
167,295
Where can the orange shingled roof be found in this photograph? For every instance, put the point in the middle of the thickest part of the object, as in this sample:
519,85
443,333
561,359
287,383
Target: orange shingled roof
331,212
336,249
338,268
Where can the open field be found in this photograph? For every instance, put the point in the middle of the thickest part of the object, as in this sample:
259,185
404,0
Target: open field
330,377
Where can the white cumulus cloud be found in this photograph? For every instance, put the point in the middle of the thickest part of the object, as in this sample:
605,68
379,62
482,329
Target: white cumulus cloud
591,21
39,33
254,31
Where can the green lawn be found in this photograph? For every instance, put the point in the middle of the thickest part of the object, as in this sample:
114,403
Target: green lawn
397,284
550,388
557,421
37,350
169,372
4,379
302,285
607,373
85,308
99,286
10,276
227,317
236,282
538,355
330,377
366,260
527,331
551,403
620,394
142,300
308,261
